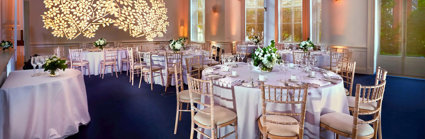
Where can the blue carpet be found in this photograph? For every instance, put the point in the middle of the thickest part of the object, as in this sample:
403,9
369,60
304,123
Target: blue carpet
119,110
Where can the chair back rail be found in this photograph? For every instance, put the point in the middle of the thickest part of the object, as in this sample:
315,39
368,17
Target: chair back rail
278,95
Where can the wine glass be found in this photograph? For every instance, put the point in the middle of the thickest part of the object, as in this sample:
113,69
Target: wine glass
243,57
238,57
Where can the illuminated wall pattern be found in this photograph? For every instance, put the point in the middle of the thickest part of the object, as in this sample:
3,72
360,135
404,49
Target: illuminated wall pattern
72,18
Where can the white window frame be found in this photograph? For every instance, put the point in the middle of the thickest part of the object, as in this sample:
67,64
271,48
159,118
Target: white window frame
292,6
256,23
200,34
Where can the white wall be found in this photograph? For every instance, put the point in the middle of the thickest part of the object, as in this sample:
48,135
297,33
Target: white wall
177,17
7,19
227,24
345,23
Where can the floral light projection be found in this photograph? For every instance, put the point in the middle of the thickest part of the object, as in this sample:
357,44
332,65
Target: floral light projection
72,18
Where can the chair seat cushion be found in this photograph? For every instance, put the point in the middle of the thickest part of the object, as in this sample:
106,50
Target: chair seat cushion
80,63
280,129
344,123
366,106
221,115
154,68
108,62
185,96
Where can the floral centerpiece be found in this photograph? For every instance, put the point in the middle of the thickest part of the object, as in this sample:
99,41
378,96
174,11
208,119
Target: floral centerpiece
265,58
100,43
54,64
6,45
257,38
177,45
307,45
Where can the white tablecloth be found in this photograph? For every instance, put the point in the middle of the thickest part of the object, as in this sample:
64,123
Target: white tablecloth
42,107
323,58
94,59
247,101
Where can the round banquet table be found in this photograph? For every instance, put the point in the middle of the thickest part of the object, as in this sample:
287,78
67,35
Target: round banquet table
323,57
159,59
328,95
95,56
41,106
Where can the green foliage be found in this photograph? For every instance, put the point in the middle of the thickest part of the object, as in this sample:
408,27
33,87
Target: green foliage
53,64
416,31
266,57
6,45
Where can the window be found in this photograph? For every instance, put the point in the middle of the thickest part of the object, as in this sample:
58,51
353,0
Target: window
254,17
402,20
197,21
290,20
415,45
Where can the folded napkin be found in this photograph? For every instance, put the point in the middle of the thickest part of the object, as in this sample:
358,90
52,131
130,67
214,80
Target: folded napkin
209,70
228,82
225,68
318,82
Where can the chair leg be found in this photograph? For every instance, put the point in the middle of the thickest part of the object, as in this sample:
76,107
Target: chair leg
192,126
151,80
236,129
129,79
140,81
162,77
380,127
116,69
181,107
88,69
177,116
168,82
132,78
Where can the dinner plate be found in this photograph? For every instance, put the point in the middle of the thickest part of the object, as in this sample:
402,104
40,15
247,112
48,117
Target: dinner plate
250,85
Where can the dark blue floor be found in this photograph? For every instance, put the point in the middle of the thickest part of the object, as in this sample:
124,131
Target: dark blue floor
120,111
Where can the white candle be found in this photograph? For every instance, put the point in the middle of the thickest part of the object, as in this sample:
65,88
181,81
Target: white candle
291,65
312,74
261,77
293,77
234,73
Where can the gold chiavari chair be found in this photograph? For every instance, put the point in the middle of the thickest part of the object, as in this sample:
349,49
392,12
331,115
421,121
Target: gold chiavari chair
125,61
182,95
299,56
338,55
150,68
347,70
358,128
135,65
211,116
283,125
194,66
381,76
77,60
110,57
171,59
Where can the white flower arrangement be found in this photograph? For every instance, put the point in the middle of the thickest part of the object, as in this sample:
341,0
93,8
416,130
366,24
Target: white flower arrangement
100,43
53,64
256,38
265,58
177,45
307,45
6,44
